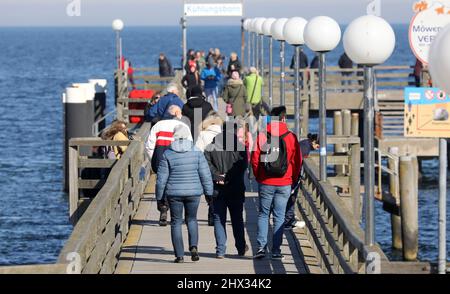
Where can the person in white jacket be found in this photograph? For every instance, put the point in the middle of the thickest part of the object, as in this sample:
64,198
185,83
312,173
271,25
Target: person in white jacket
209,129
159,140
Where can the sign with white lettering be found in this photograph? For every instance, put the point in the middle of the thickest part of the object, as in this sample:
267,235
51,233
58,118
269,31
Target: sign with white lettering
431,18
213,9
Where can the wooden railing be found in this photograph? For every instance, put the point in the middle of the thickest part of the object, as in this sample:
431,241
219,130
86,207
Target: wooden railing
335,235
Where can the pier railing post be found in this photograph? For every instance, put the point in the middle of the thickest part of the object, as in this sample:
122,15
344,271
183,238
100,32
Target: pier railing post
337,125
73,183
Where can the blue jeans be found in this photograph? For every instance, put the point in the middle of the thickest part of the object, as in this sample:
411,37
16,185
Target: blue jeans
275,197
235,205
190,204
211,96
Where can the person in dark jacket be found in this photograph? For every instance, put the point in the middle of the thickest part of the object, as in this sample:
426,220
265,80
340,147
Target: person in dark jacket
160,110
234,64
196,102
165,67
183,176
345,63
303,64
227,160
191,79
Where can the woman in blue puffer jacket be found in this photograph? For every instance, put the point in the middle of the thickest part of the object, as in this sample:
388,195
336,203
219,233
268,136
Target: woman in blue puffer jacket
183,176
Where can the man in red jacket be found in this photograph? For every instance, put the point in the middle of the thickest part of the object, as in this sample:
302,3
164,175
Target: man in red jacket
275,190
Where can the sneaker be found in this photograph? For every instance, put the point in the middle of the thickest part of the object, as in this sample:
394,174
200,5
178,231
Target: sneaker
179,260
277,256
163,219
220,256
299,225
260,254
242,253
194,254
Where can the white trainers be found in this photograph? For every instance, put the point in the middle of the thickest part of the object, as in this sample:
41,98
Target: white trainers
299,225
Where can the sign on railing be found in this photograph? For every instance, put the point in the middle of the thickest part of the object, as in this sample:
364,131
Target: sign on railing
213,9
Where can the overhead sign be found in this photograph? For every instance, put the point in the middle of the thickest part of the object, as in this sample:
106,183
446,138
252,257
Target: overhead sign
213,9
427,113
431,17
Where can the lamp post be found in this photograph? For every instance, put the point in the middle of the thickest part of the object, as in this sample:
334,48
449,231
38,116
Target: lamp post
439,64
322,34
255,42
259,30
268,33
369,40
117,26
246,28
293,32
277,33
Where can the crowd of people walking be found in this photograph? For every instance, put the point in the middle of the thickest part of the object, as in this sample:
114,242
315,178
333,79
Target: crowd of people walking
195,152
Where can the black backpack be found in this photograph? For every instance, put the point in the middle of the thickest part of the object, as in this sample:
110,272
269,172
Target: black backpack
275,159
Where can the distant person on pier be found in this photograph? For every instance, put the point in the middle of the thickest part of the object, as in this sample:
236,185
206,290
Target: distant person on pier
191,79
227,161
234,64
159,140
418,68
116,132
303,65
254,84
183,176
196,104
276,163
235,96
165,67
200,59
212,76
345,63
160,110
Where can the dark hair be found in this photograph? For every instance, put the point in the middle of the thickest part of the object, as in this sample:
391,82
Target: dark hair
279,112
313,137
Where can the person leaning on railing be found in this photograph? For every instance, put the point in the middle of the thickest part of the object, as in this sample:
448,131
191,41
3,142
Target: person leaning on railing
116,132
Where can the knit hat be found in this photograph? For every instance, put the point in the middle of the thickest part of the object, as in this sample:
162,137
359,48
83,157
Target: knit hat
181,132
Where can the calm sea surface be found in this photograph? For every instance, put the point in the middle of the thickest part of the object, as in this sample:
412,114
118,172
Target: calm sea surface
36,64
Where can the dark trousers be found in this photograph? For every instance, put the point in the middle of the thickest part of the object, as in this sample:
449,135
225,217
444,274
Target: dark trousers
235,204
190,205
289,218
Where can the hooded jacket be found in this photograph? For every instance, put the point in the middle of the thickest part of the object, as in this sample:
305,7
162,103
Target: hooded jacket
211,76
161,109
189,111
235,94
183,172
292,174
210,128
227,156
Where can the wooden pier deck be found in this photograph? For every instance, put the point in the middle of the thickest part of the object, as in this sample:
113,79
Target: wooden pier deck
148,248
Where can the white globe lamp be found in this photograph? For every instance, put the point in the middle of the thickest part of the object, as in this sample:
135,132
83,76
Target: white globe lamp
259,25
439,62
293,31
117,25
369,40
322,34
277,29
267,26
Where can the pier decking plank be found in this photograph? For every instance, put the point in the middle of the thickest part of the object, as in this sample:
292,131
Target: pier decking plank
149,250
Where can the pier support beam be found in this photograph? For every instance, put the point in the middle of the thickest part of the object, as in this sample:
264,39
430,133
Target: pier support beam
409,207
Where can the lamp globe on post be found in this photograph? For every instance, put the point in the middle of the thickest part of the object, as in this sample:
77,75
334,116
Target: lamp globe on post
254,42
259,31
117,26
293,32
439,65
277,30
369,40
268,33
322,34
246,28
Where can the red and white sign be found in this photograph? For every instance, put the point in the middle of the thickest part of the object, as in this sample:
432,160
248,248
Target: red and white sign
431,17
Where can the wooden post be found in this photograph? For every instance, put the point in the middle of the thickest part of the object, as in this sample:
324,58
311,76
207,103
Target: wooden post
346,125
73,184
409,208
304,122
355,180
338,148
355,125
394,189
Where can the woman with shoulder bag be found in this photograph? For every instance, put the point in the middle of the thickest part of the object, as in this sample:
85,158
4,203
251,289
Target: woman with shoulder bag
235,95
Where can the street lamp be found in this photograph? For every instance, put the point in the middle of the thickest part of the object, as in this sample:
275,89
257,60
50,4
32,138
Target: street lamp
277,33
293,32
117,26
369,40
246,28
267,31
255,42
259,31
322,34
439,65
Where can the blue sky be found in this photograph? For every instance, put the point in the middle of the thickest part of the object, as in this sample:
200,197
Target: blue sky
168,12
